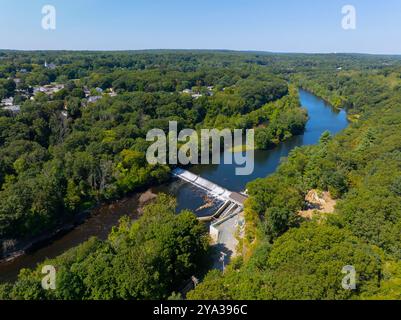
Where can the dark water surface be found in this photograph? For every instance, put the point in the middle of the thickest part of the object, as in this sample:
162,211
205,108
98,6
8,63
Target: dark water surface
322,117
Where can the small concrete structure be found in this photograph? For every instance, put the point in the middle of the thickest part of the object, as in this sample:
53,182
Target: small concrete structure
228,218
225,231
238,197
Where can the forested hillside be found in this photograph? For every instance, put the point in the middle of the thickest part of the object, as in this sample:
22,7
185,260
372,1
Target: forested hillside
145,259
290,258
63,153
78,138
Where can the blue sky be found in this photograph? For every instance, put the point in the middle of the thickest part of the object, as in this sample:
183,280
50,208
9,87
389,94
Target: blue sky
268,25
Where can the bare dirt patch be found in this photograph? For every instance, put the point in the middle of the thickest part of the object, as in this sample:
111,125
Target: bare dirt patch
317,202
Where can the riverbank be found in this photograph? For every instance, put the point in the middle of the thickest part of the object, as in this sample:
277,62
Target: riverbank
97,222
350,117
13,249
322,117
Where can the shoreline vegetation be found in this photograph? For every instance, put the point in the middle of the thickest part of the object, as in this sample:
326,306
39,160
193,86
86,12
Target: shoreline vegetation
339,106
101,146
31,245
27,245
277,242
95,158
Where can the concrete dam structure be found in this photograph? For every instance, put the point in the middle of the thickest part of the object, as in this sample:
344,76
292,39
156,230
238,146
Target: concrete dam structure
228,218
210,187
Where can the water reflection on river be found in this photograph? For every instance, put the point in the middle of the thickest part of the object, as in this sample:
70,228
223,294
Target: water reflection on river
322,118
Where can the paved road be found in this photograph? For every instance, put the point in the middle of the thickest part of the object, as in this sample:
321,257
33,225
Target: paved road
227,242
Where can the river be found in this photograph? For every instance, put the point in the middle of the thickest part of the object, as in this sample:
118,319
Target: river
322,117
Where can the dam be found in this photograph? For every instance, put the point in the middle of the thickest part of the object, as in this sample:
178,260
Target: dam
209,187
228,218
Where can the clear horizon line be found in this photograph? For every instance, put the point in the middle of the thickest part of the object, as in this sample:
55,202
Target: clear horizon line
201,49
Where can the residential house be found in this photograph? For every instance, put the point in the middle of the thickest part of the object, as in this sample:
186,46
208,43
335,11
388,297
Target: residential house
87,92
13,108
93,99
197,95
7,101
112,93
8,104
48,89
50,66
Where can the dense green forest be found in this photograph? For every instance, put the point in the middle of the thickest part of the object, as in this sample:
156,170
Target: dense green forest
145,259
54,165
63,152
289,258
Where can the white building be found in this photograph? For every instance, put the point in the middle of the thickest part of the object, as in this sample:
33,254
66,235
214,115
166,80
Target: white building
112,93
87,92
93,99
13,108
48,89
8,101
197,95
51,66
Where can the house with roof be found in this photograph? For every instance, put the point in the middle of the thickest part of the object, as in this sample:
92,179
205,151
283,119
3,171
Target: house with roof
48,89
197,95
13,108
187,91
93,99
7,101
50,66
